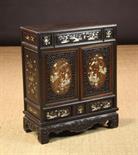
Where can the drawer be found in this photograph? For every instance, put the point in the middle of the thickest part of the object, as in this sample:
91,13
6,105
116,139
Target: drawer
100,105
58,113
78,37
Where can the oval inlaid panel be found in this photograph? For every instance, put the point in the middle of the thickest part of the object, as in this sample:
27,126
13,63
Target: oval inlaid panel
97,71
60,77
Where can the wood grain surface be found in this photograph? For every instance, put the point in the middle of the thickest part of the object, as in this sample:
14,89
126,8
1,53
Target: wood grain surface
119,141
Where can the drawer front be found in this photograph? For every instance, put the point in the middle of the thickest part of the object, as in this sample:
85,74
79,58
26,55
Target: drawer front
97,70
100,105
78,37
58,113
60,77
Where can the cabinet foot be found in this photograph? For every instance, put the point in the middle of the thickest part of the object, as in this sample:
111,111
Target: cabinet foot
43,136
26,125
113,122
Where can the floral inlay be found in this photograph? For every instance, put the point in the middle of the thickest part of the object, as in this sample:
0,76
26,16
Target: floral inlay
80,109
108,34
101,105
76,37
58,113
47,40
31,77
97,70
60,76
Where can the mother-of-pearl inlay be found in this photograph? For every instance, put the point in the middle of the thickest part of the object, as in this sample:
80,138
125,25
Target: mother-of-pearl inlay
97,70
60,76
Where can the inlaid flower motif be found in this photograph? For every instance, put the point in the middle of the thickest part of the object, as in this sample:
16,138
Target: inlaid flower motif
108,33
47,40
60,77
97,71
31,77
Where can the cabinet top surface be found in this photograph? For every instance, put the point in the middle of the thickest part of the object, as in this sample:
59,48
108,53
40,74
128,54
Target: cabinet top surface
62,27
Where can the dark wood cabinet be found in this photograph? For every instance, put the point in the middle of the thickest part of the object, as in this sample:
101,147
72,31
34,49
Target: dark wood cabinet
69,75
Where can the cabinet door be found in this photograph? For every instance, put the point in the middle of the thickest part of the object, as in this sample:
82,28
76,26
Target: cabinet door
97,70
60,76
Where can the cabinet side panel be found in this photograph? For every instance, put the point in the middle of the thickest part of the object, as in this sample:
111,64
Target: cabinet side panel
31,75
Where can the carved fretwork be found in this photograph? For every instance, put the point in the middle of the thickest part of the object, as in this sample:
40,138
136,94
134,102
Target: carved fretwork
79,125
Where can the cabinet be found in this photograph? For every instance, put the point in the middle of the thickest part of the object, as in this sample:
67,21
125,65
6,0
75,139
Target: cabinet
69,78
